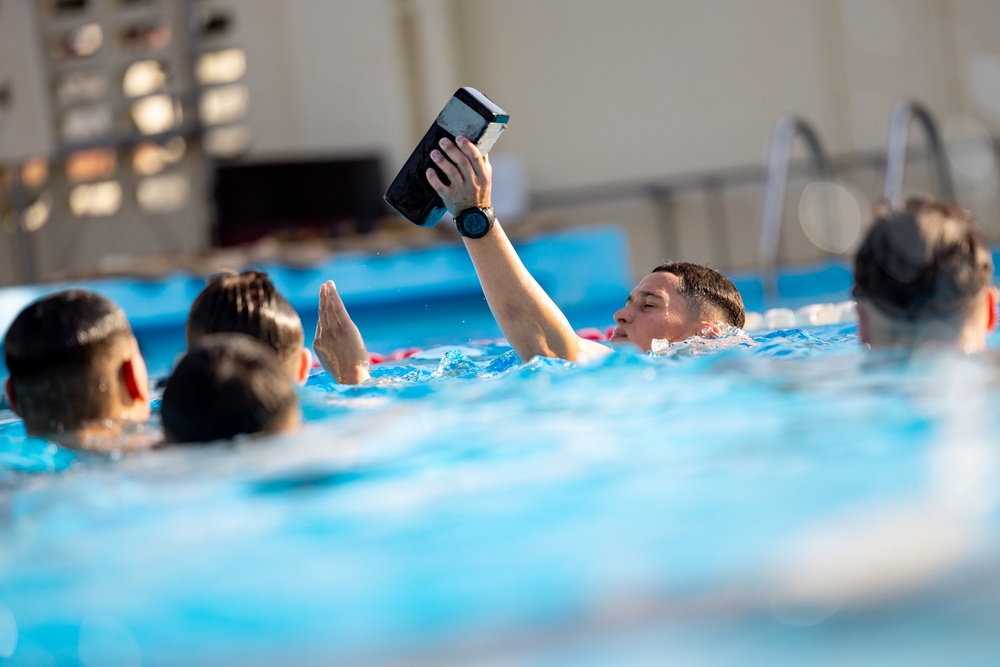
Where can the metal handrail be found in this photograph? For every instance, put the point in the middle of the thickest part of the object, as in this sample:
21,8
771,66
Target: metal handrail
903,113
691,183
779,156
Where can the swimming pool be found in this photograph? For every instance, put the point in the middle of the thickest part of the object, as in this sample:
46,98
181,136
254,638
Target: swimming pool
783,500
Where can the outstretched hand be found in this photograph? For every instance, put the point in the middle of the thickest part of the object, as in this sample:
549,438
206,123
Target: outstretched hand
468,170
338,343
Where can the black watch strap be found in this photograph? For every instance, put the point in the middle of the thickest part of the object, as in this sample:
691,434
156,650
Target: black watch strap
475,223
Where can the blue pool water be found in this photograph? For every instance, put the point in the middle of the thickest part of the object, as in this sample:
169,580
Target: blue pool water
787,499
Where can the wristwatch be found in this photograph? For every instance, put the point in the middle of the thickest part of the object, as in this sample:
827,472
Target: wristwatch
474,223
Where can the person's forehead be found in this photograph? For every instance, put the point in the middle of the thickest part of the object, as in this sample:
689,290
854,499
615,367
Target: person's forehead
659,282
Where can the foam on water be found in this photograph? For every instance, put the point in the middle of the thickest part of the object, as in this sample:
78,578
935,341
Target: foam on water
783,497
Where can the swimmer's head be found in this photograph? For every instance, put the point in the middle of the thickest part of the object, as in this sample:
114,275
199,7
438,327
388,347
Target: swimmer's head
73,361
711,296
924,274
228,385
249,303
675,301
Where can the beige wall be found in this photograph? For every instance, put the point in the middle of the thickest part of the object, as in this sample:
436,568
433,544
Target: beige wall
669,87
325,76
24,109
606,92
603,92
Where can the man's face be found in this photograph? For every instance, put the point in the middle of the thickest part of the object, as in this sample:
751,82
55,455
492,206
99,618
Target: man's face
654,309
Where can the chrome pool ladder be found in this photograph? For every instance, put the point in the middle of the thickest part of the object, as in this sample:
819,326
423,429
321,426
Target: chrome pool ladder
903,113
779,156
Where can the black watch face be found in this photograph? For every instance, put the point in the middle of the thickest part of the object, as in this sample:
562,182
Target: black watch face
475,224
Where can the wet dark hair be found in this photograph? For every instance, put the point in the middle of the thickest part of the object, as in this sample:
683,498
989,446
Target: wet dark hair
57,351
226,385
704,287
926,262
247,303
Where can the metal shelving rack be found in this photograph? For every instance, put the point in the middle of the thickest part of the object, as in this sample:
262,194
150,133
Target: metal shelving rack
128,170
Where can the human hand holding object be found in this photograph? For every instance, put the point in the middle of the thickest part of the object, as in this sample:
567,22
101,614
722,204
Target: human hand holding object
468,170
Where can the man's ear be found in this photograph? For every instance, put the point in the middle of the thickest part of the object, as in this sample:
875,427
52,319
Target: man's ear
8,388
305,365
992,299
864,326
135,378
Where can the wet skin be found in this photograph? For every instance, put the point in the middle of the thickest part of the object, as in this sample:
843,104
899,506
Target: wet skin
655,309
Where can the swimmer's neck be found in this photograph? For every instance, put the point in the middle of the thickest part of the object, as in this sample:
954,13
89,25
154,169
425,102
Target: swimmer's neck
966,333
103,437
963,341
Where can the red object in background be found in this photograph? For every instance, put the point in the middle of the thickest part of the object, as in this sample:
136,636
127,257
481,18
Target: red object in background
404,353
590,333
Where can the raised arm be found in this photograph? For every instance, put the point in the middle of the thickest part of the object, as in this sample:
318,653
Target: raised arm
338,343
532,323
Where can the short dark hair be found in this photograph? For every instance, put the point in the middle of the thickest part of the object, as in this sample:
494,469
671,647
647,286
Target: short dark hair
706,288
247,303
226,385
57,351
926,262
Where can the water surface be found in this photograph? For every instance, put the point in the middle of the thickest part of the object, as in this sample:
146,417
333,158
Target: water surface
789,499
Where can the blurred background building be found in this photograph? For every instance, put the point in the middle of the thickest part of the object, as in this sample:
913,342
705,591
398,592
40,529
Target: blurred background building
137,132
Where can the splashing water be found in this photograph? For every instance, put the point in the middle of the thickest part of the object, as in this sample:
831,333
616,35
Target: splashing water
782,498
